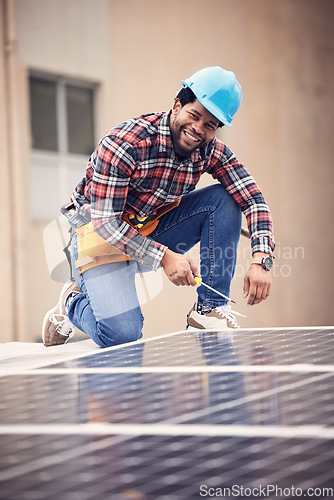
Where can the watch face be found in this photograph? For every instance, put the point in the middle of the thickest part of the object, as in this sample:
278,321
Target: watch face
267,263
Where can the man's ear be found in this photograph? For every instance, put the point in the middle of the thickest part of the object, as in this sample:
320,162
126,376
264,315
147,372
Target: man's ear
176,106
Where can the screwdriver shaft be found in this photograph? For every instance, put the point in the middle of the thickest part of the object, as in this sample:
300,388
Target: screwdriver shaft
216,291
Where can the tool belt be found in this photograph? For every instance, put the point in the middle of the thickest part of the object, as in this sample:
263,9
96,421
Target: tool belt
94,251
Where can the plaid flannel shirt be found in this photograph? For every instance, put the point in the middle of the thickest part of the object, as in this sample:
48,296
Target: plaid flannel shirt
134,170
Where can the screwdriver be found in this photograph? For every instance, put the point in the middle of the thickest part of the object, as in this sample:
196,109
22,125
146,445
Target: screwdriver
199,281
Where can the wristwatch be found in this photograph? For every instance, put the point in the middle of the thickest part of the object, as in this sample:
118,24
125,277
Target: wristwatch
265,262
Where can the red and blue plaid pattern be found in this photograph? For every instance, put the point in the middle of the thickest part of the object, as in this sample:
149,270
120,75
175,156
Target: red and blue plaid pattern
134,170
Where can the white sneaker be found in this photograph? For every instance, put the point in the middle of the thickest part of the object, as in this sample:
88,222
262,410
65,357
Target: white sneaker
220,318
57,328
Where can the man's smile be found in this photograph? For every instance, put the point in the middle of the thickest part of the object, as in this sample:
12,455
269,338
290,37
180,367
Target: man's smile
191,137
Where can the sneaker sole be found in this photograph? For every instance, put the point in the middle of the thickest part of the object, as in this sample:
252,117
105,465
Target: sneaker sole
193,328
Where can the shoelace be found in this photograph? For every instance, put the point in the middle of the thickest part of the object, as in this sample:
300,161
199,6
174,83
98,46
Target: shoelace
62,324
69,299
228,313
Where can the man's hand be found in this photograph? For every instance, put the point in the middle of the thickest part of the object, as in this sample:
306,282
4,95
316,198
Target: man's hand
257,284
179,269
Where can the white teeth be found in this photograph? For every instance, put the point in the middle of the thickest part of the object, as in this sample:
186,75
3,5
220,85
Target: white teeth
191,137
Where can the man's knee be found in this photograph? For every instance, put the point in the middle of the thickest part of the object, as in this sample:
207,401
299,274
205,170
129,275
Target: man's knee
227,204
120,329
220,197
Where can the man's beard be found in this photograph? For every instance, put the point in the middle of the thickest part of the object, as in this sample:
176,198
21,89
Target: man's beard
176,133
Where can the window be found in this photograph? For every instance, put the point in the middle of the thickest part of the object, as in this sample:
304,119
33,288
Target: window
62,138
43,114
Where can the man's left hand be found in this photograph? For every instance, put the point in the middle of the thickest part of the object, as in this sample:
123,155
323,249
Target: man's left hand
257,284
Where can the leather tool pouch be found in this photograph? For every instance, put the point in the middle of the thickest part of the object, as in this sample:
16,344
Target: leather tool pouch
94,251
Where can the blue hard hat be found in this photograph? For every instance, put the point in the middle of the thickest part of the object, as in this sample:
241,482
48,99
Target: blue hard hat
217,90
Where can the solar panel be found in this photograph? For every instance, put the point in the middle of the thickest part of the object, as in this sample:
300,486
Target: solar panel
194,414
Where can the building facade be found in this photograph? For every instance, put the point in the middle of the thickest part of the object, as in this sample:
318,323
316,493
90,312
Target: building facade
70,69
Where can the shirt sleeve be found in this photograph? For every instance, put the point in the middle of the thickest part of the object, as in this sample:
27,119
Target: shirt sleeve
114,163
240,184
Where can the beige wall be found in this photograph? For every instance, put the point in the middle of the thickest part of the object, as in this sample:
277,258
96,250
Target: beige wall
282,53
138,50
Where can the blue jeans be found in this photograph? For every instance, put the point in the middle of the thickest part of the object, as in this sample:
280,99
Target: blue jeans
108,309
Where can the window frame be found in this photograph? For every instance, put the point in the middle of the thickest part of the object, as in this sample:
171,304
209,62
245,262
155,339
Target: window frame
62,160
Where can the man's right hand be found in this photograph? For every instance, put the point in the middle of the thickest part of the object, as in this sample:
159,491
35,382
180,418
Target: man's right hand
179,269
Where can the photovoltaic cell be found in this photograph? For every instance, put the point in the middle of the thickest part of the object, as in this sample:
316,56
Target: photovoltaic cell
264,398
174,418
282,347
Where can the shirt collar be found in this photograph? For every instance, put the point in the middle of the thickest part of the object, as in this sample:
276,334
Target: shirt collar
164,136
166,144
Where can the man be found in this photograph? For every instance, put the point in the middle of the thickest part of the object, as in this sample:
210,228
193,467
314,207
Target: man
137,207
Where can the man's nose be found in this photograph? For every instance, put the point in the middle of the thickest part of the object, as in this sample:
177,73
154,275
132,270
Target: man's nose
198,128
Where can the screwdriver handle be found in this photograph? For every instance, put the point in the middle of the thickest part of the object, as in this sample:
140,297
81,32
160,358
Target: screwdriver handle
198,280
